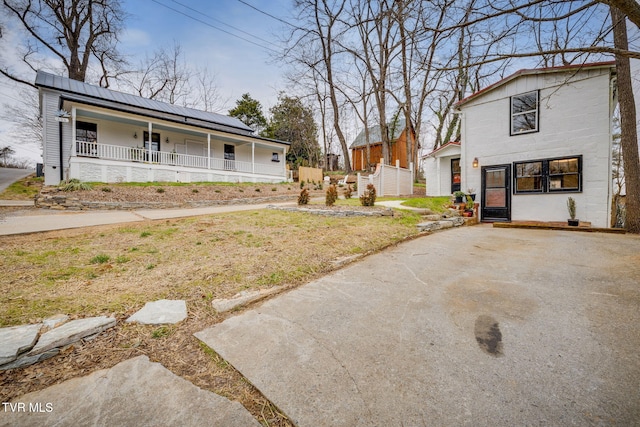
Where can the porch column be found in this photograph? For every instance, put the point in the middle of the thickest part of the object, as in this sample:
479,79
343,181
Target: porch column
73,132
150,126
438,176
208,151
253,157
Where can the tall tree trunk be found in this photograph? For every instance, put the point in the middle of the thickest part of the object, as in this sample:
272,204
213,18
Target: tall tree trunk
628,126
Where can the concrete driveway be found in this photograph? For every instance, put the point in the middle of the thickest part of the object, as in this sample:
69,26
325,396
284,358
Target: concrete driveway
473,326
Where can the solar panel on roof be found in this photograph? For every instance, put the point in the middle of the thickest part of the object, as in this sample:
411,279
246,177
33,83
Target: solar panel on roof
81,88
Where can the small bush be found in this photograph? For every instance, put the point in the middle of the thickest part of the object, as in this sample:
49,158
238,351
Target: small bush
301,185
160,190
274,189
195,190
332,195
348,192
257,190
303,198
75,185
369,196
145,234
106,189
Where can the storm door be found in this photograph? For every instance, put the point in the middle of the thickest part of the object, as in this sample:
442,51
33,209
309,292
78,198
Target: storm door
496,193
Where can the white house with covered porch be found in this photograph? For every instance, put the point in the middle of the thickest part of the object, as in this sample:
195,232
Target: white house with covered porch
97,134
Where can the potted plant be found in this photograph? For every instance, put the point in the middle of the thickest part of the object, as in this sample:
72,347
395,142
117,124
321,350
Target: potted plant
458,195
468,211
571,207
472,193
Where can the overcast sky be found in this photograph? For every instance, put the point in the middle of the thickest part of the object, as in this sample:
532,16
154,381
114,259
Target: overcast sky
228,37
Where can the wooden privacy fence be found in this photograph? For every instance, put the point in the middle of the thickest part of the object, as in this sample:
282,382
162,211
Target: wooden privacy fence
388,180
307,174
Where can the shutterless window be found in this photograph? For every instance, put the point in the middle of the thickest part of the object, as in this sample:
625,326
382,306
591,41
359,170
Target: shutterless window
564,174
86,132
529,177
548,175
524,113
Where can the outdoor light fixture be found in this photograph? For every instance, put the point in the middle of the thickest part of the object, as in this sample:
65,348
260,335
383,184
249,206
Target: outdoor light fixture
475,162
167,140
135,135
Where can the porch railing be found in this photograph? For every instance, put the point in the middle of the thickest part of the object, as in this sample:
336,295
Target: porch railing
133,154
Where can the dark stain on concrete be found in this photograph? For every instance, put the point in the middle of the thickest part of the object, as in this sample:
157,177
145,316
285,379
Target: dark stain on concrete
488,335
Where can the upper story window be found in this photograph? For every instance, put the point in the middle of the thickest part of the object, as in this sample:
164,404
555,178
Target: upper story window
524,113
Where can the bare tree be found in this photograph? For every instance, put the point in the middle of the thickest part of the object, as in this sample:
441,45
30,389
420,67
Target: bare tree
76,32
166,76
628,126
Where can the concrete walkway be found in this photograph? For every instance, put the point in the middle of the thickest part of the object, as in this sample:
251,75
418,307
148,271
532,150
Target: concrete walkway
58,220
473,326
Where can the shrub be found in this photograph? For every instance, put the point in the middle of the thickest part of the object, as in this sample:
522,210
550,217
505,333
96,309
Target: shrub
332,195
301,185
195,190
160,190
303,198
348,192
75,185
369,196
106,189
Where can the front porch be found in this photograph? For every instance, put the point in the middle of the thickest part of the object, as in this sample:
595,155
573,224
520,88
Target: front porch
115,163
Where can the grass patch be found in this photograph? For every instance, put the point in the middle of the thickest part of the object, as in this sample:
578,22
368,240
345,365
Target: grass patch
436,204
100,259
23,189
190,259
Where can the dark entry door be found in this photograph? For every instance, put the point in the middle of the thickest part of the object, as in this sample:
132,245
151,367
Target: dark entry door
455,175
496,193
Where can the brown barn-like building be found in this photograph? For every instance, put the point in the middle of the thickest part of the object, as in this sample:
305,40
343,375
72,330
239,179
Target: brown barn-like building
398,147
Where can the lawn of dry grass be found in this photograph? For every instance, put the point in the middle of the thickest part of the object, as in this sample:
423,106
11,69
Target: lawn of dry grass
114,270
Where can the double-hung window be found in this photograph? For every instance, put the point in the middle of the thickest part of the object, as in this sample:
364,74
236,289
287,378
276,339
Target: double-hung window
548,175
524,113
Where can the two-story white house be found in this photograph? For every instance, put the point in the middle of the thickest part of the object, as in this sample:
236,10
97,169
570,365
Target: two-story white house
530,141
97,134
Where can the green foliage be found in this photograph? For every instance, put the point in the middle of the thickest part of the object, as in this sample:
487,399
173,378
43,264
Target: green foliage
303,198
106,189
159,190
75,185
293,122
469,203
145,234
332,195
571,207
369,196
195,190
249,111
100,259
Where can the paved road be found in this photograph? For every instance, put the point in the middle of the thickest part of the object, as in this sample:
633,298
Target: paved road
9,175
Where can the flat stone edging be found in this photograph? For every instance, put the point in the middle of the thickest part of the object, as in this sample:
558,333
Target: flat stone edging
59,201
331,212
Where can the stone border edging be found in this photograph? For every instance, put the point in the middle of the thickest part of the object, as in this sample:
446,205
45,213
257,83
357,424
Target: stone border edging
331,212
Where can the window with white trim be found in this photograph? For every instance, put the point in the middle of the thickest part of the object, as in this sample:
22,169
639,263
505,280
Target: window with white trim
524,113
